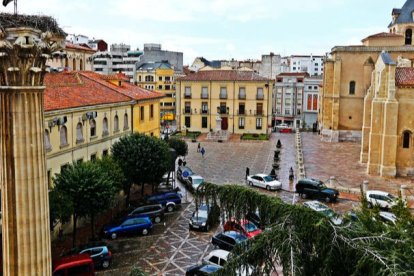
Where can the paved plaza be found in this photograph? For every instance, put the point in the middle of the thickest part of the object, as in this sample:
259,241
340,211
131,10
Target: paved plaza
172,248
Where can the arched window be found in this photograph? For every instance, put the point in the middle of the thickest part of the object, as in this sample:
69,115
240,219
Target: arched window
352,86
408,36
139,78
93,128
406,139
48,146
63,136
116,123
105,130
79,133
74,64
126,125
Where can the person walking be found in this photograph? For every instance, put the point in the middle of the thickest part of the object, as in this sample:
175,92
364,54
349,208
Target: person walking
202,152
291,175
180,162
247,172
198,147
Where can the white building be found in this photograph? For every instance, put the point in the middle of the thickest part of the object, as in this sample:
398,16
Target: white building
311,101
313,65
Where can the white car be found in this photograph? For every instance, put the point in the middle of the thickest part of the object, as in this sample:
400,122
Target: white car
194,181
220,257
324,210
264,181
382,199
388,217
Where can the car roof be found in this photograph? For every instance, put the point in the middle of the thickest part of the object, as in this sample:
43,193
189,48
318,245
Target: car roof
148,205
65,262
378,192
222,254
389,216
233,234
261,174
210,268
196,176
316,205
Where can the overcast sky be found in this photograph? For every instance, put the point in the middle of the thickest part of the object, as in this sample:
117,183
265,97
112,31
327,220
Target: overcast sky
221,29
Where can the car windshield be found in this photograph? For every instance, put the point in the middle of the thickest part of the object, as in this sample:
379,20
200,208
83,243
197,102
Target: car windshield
198,181
390,198
267,178
329,213
321,186
201,214
240,238
250,227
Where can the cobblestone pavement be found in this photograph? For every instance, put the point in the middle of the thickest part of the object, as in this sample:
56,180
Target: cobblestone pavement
323,160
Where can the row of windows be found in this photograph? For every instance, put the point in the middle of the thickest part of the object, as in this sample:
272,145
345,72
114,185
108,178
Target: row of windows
160,78
242,122
223,109
142,112
63,132
223,93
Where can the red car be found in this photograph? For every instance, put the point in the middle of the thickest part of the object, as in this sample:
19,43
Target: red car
243,226
81,265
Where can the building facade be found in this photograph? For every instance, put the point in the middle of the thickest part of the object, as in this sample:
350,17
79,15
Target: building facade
289,99
154,53
240,100
313,65
85,113
72,57
347,76
311,101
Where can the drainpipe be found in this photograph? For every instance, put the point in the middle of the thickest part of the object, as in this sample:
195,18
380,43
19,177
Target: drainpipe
234,102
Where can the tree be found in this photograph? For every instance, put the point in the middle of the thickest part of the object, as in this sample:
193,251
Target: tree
59,208
143,159
180,146
87,189
304,242
114,170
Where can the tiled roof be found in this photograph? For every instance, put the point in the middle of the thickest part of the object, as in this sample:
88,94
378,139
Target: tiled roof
383,34
132,91
117,76
78,47
71,89
224,75
404,76
405,14
154,65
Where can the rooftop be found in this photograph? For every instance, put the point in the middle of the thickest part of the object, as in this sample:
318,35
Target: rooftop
224,75
154,65
404,77
403,15
381,35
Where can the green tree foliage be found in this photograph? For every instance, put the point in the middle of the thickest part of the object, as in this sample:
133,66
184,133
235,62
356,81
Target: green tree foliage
137,271
143,159
87,189
113,169
304,242
179,145
59,208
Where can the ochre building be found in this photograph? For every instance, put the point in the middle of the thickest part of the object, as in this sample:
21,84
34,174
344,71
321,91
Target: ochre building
347,76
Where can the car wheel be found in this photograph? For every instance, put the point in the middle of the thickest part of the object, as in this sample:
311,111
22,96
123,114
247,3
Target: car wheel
304,196
145,232
113,236
369,205
170,208
157,219
250,183
106,264
268,187
327,199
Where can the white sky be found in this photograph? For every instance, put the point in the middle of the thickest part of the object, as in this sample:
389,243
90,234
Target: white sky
221,29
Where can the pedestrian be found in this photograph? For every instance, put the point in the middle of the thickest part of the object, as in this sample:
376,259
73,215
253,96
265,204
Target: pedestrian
273,173
180,162
247,172
184,163
291,176
198,147
202,152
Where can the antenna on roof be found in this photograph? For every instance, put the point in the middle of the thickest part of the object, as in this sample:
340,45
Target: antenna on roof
6,2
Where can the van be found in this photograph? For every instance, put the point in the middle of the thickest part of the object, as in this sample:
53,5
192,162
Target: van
80,265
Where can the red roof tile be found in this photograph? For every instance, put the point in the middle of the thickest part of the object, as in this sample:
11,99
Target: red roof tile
126,88
224,75
71,89
117,77
404,76
299,74
78,47
383,34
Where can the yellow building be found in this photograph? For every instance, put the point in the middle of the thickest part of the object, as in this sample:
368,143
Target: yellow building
72,57
240,100
160,77
85,113
347,77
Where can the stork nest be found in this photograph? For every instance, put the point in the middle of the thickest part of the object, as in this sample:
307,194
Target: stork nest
40,22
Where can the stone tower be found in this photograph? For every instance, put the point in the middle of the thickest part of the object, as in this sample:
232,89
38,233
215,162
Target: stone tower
25,44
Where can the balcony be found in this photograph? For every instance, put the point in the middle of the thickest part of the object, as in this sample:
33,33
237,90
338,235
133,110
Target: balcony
223,96
241,112
204,111
260,97
242,96
204,96
258,113
187,96
187,111
223,110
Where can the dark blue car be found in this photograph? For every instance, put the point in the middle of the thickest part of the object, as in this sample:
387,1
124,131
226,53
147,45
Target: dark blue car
169,200
129,226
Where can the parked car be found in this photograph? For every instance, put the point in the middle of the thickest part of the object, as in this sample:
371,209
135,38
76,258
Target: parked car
203,269
220,257
382,199
228,240
316,189
81,264
243,226
264,181
254,217
129,226
98,251
324,210
388,218
155,212
183,173
284,128
170,200
202,219
194,181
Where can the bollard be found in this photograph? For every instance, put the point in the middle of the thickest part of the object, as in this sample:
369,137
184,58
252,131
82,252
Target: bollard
332,181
